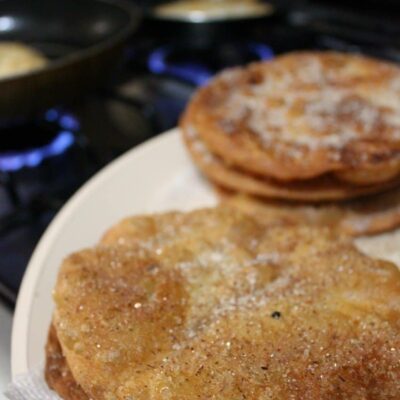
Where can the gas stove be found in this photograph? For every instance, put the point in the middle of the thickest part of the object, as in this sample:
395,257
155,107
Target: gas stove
45,160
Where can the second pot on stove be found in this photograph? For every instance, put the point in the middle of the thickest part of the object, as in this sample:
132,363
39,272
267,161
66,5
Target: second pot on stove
200,23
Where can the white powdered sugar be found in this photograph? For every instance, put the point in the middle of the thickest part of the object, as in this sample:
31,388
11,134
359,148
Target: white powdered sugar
313,107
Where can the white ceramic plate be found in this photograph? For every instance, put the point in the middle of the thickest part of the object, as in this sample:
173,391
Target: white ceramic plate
156,176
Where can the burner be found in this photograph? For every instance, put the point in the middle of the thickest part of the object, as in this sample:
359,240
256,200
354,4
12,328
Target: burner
33,157
42,162
197,66
27,144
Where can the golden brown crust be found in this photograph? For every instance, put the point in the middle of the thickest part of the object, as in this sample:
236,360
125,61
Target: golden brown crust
367,216
57,373
212,304
305,114
324,188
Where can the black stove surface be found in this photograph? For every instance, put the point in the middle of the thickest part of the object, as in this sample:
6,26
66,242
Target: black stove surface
64,147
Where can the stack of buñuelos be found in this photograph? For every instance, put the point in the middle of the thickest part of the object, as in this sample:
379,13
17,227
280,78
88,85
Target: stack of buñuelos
308,131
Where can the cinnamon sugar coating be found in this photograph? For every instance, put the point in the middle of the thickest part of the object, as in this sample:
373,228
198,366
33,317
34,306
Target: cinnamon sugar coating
213,304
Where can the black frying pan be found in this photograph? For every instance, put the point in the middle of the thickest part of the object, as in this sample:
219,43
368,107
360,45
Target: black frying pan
83,39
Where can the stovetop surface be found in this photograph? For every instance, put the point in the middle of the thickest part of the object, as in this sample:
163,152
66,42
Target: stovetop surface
65,146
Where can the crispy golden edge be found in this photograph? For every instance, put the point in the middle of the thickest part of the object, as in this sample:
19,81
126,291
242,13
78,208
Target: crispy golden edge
317,190
369,216
57,372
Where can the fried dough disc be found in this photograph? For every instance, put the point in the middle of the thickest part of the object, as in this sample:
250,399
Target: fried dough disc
370,215
305,114
212,304
315,190
18,58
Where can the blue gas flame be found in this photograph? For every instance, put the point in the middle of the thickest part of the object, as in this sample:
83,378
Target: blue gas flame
15,160
195,73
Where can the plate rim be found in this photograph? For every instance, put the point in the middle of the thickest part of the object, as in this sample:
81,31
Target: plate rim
19,342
